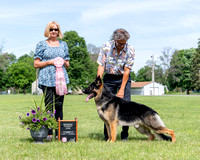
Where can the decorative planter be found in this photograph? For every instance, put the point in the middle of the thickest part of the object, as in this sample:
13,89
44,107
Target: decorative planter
39,136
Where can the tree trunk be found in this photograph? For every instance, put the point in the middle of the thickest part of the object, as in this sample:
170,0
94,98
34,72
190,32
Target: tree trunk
188,91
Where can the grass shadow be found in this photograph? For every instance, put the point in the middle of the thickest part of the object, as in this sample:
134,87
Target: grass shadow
100,136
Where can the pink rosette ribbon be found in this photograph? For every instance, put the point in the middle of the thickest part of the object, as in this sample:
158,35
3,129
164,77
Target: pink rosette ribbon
61,87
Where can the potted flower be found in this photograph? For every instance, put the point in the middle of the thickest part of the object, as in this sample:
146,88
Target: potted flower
38,121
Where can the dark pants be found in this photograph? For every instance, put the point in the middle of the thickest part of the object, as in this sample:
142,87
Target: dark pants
113,83
51,100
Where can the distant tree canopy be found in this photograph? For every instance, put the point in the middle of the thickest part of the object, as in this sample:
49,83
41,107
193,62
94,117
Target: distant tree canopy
82,69
180,69
195,69
145,74
20,74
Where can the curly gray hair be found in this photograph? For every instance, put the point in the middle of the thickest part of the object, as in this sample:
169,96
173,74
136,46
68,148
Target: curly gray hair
120,34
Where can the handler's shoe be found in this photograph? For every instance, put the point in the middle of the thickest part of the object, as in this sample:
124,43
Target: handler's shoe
49,137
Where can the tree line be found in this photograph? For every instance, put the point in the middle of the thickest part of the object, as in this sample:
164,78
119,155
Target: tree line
179,70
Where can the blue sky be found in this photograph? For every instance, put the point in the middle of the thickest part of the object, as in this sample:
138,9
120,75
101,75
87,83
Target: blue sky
152,24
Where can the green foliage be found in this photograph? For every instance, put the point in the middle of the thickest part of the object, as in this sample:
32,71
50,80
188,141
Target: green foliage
27,58
133,76
6,60
145,74
1,78
37,118
180,69
82,70
20,75
195,69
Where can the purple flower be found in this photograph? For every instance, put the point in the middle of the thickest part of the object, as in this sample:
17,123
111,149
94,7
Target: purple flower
34,120
38,120
44,119
27,128
38,108
28,114
33,111
43,126
20,117
48,112
22,123
55,112
52,115
49,128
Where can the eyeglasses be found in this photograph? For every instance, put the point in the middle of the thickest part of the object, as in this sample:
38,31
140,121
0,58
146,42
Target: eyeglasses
52,29
121,44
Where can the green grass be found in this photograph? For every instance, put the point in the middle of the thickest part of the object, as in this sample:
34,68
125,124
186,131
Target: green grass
180,113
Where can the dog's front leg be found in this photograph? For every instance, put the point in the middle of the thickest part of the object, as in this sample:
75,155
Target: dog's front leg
113,126
108,131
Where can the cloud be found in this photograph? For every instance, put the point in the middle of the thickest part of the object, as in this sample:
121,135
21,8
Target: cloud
190,21
114,8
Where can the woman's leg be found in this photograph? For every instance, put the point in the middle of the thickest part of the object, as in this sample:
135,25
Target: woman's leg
59,108
49,99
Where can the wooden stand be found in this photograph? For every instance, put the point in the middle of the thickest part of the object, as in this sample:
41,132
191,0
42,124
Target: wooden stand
68,130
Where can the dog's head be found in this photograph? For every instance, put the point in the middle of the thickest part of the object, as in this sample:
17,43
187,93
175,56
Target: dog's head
93,88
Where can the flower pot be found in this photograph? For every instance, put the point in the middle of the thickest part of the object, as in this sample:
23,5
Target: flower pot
39,136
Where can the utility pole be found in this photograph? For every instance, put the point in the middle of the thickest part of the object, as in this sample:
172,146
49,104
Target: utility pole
153,78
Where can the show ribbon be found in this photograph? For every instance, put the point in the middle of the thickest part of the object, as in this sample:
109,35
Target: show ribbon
61,87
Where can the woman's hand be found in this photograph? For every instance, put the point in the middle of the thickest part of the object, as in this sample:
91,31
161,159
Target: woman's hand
120,93
66,64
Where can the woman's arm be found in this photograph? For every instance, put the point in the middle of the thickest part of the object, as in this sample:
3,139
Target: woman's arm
39,64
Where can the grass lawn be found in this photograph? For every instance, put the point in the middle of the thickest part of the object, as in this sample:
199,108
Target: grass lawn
180,113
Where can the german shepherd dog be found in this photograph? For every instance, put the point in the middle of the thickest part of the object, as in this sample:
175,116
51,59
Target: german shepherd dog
117,111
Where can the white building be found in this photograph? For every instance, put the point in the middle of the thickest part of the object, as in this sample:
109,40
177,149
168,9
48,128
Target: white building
39,91
147,88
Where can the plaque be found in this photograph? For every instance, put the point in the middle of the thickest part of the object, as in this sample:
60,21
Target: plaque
68,130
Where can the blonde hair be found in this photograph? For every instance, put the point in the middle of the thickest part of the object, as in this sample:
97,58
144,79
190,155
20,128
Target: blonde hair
49,26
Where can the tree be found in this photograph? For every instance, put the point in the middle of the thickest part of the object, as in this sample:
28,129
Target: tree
20,75
144,74
92,49
165,59
27,58
133,76
195,69
82,70
180,70
6,59
1,78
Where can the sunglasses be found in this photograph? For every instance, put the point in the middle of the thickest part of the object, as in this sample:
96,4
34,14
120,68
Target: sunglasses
52,29
121,44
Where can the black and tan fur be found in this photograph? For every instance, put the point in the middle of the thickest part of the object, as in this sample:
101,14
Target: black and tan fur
117,111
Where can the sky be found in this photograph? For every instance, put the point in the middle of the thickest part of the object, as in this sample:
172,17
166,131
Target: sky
153,24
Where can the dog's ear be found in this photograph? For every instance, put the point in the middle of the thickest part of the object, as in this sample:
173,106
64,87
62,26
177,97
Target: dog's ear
98,81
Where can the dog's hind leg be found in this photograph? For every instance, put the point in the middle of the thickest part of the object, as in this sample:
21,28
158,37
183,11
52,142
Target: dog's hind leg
164,130
144,130
162,136
113,127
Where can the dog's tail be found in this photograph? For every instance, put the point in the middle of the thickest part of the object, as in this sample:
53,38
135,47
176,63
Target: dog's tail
162,136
